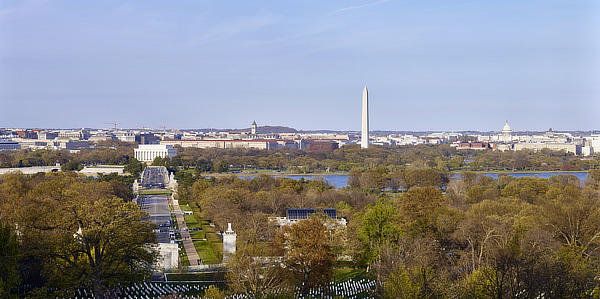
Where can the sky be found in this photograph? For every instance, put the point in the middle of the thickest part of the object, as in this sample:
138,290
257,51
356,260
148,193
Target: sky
446,65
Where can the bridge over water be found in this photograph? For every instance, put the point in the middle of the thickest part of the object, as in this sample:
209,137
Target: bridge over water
155,177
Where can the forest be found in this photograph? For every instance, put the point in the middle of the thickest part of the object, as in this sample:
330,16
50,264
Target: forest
61,231
472,237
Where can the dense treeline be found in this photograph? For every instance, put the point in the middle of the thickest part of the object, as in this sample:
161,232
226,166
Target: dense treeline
60,231
478,238
441,157
509,238
104,152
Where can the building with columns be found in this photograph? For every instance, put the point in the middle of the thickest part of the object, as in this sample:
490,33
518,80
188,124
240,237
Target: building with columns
148,152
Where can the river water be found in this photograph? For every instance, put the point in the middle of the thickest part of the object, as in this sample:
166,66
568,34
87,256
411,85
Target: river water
341,180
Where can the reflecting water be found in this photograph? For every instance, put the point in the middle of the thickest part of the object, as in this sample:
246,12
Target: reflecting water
341,180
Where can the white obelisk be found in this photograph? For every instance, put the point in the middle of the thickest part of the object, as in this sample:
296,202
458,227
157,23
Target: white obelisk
364,140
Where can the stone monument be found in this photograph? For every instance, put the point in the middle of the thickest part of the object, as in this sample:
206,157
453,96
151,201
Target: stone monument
228,242
172,182
364,139
136,187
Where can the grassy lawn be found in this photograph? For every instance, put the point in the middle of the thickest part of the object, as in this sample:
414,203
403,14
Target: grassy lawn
191,221
341,275
214,276
209,250
155,192
185,208
206,252
183,259
197,234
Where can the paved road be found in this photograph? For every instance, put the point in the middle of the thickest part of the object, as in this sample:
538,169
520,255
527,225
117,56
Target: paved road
154,176
158,208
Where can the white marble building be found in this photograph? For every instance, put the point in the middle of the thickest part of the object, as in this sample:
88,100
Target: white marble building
148,152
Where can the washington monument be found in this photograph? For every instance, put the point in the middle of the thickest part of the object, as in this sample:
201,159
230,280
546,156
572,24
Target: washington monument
364,140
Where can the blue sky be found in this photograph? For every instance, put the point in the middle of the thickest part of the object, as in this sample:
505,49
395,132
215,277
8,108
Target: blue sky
429,65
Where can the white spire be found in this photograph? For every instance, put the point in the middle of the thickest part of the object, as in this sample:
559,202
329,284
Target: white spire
364,140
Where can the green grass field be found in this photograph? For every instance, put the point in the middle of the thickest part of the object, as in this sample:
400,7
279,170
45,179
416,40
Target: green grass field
183,259
197,234
341,275
155,192
191,221
185,208
212,276
206,252
209,250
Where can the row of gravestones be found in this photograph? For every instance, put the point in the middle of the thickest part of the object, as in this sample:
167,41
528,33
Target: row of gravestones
347,289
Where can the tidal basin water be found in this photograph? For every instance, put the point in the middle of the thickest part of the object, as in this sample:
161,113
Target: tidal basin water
341,180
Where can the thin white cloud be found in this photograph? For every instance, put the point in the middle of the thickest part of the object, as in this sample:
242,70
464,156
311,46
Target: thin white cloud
358,6
233,28
242,25
23,9
457,5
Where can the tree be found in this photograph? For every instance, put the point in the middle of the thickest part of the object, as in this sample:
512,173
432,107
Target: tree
378,231
354,178
252,273
159,161
213,292
8,259
573,219
85,235
414,269
375,178
134,167
71,166
418,208
422,177
222,166
308,253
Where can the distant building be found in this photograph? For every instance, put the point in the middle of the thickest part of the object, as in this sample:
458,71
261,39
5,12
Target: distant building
567,147
228,143
27,134
506,134
295,215
70,145
101,136
147,138
74,135
47,135
125,136
587,150
254,128
473,145
322,146
9,145
149,152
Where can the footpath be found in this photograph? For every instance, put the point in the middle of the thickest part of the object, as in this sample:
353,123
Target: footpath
188,245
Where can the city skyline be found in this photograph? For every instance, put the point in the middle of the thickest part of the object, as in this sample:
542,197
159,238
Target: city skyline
429,65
